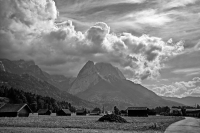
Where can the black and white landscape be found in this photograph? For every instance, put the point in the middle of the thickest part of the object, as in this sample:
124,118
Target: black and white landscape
116,58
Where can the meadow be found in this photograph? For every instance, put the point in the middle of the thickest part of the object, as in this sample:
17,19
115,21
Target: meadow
84,124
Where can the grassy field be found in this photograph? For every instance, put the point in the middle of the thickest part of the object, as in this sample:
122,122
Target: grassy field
84,124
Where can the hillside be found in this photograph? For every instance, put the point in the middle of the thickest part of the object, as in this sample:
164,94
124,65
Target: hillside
29,67
105,84
189,101
28,83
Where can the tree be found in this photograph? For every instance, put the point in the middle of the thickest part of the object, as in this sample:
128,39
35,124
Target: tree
116,111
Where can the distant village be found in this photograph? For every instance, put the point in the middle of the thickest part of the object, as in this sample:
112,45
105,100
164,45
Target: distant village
23,110
24,104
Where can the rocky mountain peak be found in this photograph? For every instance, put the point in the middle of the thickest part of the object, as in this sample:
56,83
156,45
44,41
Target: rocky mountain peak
106,69
88,69
91,74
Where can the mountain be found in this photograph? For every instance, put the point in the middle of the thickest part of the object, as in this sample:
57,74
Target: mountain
105,84
99,83
29,67
29,77
189,101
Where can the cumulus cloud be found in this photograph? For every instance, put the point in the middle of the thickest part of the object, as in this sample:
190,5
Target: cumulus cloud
179,89
28,30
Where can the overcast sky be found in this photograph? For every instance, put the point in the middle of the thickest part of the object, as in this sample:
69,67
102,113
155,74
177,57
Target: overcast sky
153,42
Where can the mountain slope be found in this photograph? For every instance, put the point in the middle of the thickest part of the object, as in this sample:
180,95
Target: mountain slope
29,67
189,101
29,83
102,83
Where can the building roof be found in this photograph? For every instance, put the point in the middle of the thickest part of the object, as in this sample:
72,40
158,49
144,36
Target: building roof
95,112
13,107
137,108
43,111
192,110
80,111
175,109
66,111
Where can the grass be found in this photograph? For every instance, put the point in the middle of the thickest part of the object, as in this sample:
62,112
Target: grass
141,124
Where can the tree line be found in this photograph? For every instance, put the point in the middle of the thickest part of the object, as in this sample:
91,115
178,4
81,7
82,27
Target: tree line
34,101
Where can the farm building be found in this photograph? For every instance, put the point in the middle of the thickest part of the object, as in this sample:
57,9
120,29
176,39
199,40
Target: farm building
193,112
80,112
15,110
44,112
175,112
137,111
95,112
64,112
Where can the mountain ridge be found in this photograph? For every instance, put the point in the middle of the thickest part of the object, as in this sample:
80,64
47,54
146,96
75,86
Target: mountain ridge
189,100
100,83
30,78
105,84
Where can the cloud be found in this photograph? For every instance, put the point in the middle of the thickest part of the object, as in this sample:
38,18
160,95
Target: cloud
179,89
187,71
29,31
177,3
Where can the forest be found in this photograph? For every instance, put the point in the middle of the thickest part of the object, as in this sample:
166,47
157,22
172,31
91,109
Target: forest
34,101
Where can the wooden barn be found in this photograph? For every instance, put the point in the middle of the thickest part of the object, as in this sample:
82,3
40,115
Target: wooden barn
81,112
15,110
64,112
44,112
193,112
95,112
137,111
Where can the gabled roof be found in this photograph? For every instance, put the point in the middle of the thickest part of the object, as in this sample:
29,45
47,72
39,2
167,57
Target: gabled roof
80,111
192,110
66,111
175,109
137,108
13,107
43,111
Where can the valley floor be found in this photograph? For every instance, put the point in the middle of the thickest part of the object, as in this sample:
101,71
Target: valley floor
85,124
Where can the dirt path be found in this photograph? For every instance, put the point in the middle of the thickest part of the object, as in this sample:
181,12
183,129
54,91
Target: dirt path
188,125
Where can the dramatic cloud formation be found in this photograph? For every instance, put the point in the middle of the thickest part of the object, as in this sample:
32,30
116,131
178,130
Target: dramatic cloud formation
180,89
28,30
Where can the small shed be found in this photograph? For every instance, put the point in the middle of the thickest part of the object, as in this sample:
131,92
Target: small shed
44,112
95,112
15,110
64,112
81,112
137,111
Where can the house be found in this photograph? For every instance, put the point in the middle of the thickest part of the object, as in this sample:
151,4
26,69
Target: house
193,112
137,111
175,112
95,112
15,110
64,112
44,112
81,112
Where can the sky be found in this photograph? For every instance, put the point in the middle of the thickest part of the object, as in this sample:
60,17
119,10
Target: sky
153,42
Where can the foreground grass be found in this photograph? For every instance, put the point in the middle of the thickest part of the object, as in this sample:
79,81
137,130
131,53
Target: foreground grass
141,124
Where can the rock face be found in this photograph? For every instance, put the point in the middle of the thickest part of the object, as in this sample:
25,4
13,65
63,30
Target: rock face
105,84
88,75
2,68
92,73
